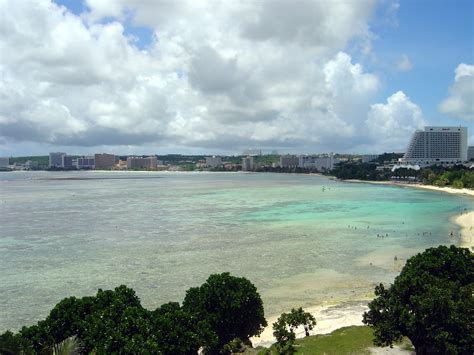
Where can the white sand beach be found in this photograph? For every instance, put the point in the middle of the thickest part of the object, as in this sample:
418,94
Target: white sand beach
450,190
466,222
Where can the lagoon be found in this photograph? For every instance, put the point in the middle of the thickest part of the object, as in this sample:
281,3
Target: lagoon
303,240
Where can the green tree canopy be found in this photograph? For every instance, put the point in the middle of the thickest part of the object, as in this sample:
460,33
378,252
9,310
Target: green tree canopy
284,328
112,321
230,305
179,332
430,302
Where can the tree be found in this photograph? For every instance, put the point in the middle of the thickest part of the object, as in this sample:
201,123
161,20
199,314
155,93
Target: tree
112,321
178,332
458,184
285,338
430,302
298,317
14,344
69,346
67,318
230,305
284,328
36,338
118,324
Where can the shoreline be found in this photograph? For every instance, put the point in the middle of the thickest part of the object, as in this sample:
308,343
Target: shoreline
328,317
466,222
450,190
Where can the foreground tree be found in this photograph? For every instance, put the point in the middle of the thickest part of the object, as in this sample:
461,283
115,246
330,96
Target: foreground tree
430,302
284,329
225,308
230,305
113,321
14,344
179,332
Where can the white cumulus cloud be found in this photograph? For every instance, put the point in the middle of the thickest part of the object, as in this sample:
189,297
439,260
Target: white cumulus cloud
216,75
391,124
460,100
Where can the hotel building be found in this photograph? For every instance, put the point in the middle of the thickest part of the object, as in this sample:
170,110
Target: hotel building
56,160
213,162
85,163
289,161
437,146
141,163
68,162
320,163
247,164
104,161
470,153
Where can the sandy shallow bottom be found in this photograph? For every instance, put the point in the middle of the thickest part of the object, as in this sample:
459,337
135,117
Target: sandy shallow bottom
331,317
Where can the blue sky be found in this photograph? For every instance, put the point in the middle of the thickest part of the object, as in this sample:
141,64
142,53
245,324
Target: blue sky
219,77
143,35
436,36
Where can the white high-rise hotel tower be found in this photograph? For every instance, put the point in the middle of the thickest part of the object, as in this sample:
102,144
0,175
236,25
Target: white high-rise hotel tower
437,145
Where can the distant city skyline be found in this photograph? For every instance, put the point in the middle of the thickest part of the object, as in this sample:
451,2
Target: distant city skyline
206,77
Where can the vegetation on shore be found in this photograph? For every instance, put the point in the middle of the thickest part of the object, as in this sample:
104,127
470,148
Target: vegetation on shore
343,341
430,302
457,176
284,329
114,322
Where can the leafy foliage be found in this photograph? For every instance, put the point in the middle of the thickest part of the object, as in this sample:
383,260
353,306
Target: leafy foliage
457,177
69,346
359,171
387,157
114,321
230,305
430,302
284,328
14,344
284,337
180,332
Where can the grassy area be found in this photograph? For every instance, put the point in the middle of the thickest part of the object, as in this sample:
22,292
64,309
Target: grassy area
344,341
347,340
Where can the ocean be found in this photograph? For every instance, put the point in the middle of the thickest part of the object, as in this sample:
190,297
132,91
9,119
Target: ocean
303,240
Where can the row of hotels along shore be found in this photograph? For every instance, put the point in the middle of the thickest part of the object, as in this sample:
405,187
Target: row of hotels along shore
445,146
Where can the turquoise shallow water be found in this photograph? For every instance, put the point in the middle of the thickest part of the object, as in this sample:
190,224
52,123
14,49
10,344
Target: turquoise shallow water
301,244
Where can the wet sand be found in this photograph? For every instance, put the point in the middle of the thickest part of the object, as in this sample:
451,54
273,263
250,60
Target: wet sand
466,222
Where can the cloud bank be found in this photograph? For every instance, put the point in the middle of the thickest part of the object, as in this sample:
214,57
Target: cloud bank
216,75
460,100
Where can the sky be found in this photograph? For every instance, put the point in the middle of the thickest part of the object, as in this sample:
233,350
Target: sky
220,77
